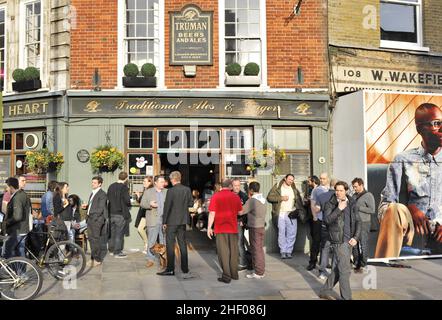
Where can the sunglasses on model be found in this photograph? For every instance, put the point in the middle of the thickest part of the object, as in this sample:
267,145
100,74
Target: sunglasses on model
433,123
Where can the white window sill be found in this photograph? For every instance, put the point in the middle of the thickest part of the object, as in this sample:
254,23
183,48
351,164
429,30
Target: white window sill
403,46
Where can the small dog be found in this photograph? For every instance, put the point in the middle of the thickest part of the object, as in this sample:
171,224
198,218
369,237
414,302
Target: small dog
160,250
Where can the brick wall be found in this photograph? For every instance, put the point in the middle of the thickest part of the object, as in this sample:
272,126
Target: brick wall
292,42
94,43
346,18
432,16
297,41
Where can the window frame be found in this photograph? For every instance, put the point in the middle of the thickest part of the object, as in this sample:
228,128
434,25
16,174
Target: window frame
222,47
140,131
3,7
122,54
403,45
22,35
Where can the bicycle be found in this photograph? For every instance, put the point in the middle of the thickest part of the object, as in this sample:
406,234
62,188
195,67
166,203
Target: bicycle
20,278
63,259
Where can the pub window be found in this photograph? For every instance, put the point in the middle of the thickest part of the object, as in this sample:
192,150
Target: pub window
238,139
6,144
401,23
174,139
142,32
297,145
2,48
237,165
242,34
140,163
208,139
19,141
32,41
140,139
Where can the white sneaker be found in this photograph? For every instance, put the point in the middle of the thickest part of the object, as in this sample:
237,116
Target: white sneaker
144,251
254,276
322,276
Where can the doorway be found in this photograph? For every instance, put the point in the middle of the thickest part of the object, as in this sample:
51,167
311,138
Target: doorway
194,172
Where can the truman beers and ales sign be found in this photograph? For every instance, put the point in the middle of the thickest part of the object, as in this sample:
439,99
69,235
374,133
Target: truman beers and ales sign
351,78
191,37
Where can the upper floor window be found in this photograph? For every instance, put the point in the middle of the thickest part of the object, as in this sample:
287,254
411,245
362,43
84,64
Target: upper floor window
2,48
242,32
401,23
32,39
142,32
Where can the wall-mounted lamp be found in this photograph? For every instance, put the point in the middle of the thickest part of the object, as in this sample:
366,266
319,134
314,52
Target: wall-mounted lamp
96,80
297,8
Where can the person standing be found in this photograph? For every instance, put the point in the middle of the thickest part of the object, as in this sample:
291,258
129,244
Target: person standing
97,219
47,204
344,227
223,211
243,244
255,208
284,198
321,186
62,209
365,206
325,238
119,210
175,218
140,221
153,202
17,221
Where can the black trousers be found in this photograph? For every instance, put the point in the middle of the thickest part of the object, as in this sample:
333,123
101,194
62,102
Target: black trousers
178,232
360,251
315,231
97,237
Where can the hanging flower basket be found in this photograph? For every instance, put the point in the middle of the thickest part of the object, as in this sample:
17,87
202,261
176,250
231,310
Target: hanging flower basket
42,161
266,160
106,158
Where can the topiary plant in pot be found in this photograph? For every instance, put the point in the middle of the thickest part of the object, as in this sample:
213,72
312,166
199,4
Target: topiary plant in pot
26,80
249,78
132,78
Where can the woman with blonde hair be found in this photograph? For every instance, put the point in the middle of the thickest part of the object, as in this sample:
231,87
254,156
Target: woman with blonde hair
140,222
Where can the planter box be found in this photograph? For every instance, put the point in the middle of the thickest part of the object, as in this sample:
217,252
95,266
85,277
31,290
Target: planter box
28,85
139,82
243,81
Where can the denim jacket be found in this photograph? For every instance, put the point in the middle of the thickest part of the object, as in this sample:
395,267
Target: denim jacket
423,174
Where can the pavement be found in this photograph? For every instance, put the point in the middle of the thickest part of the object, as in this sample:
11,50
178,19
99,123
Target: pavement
129,279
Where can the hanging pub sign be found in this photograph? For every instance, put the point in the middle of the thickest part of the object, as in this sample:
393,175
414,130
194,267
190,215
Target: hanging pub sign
191,36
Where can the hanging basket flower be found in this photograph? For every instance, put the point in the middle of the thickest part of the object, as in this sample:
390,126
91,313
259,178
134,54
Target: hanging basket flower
106,158
42,161
268,158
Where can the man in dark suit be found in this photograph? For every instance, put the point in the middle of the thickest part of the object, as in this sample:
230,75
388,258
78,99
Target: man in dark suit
175,218
18,219
97,221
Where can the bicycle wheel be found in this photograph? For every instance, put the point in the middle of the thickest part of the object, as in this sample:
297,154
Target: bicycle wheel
20,279
65,259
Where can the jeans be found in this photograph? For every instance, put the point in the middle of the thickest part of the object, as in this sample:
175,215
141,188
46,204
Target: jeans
117,233
287,229
152,236
243,246
325,250
71,231
14,246
360,251
341,270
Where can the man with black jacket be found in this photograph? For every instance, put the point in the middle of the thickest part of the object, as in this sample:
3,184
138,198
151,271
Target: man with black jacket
97,221
119,206
344,228
365,206
243,245
175,218
17,222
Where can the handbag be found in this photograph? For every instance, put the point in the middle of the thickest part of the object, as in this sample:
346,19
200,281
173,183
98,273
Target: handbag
298,214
